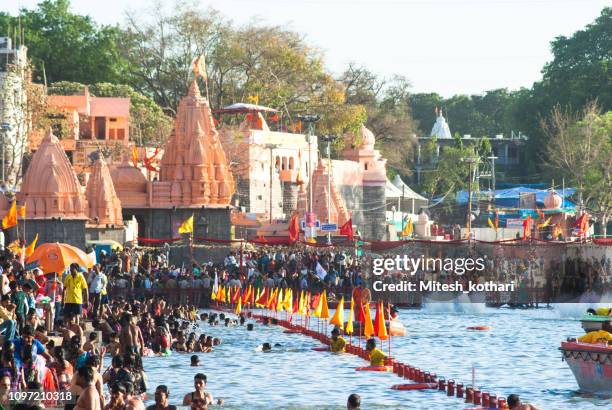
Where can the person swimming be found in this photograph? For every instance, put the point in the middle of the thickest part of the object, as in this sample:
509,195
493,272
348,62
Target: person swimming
266,347
195,360
377,357
337,343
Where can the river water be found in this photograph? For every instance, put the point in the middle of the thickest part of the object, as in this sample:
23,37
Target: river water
518,355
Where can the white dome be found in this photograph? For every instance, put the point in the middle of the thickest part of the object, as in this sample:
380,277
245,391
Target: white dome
440,129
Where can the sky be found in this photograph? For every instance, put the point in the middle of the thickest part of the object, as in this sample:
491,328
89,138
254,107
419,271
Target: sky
444,46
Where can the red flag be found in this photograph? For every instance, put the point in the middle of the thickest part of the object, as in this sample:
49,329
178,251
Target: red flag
296,304
294,228
527,227
263,298
236,295
361,312
314,301
347,229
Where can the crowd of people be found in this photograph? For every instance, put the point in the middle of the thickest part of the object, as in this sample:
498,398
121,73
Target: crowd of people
138,304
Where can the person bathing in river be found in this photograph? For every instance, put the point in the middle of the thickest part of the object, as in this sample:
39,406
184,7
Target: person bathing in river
514,403
199,383
377,357
337,343
599,336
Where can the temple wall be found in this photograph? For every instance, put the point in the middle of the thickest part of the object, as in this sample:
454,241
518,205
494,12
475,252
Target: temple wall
105,234
163,223
68,231
373,211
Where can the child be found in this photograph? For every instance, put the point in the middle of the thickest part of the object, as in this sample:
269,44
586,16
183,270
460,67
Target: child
90,345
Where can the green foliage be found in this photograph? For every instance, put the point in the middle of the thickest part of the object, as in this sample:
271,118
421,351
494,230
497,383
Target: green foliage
69,46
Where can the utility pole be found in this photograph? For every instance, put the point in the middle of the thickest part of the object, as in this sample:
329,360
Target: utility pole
329,139
309,119
272,165
493,158
470,161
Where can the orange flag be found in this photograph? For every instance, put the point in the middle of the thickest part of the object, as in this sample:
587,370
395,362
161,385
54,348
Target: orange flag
22,211
199,67
368,330
135,156
10,219
30,248
381,328
324,307
338,318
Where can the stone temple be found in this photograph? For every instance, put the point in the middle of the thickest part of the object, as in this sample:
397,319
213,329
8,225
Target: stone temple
194,180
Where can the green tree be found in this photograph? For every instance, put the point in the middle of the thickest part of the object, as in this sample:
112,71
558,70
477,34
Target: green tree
66,45
580,148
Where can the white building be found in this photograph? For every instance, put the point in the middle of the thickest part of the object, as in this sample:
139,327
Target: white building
13,111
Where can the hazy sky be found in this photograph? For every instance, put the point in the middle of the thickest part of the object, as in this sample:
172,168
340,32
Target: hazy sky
446,46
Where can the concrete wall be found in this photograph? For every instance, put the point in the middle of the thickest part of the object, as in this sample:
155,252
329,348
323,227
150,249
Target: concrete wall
163,223
52,230
373,211
103,234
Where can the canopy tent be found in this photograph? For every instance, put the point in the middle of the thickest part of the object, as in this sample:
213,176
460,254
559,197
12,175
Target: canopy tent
240,108
402,190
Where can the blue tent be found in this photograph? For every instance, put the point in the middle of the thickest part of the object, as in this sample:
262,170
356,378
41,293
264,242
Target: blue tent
510,198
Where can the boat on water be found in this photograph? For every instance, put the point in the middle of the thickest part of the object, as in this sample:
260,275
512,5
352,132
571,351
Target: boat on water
591,363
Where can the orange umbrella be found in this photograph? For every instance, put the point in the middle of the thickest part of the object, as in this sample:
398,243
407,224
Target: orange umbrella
55,257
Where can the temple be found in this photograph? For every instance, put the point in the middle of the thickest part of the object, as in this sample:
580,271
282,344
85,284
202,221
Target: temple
195,179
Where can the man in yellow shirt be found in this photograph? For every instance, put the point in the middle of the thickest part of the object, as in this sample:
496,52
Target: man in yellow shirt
337,343
75,293
598,336
377,357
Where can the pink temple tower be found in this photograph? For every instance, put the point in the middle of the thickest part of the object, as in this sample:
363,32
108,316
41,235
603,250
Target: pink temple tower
50,187
104,205
194,163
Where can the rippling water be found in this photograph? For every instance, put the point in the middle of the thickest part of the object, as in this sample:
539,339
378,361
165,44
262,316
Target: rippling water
519,355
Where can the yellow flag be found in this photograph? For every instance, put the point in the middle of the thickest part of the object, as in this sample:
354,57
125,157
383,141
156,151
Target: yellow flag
349,322
317,311
228,297
407,231
30,248
257,296
288,303
10,219
254,99
545,223
22,211
302,304
368,330
238,306
324,307
186,226
213,295
280,301
490,222
338,318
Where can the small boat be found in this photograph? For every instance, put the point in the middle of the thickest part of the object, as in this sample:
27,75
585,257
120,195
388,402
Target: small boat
591,365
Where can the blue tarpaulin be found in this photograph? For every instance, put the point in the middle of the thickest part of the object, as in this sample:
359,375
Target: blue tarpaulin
510,198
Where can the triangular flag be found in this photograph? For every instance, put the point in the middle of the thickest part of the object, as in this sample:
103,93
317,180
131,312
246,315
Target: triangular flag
545,223
280,301
349,323
135,156
10,219
324,307
186,226
261,297
338,318
22,211
347,229
317,311
238,307
368,330
381,328
30,249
